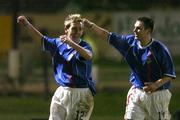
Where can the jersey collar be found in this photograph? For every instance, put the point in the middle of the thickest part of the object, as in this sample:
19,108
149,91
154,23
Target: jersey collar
144,47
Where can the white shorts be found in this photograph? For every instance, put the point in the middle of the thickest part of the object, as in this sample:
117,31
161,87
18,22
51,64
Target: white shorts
71,104
141,105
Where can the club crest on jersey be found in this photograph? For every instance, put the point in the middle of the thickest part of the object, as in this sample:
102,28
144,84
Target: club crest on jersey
149,53
149,57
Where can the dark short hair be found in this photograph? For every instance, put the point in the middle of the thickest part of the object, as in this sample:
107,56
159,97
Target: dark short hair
148,22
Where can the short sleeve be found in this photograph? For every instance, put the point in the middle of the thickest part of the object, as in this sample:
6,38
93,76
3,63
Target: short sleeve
48,44
167,63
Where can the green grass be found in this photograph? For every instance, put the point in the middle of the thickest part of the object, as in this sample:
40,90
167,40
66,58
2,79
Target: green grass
109,105
23,108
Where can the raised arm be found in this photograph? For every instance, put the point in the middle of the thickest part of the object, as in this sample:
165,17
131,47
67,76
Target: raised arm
101,32
33,32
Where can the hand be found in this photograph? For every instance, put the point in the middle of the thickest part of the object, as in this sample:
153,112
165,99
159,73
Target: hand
87,23
150,87
64,39
22,20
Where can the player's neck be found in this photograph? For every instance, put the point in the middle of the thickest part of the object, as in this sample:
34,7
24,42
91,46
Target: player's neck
146,41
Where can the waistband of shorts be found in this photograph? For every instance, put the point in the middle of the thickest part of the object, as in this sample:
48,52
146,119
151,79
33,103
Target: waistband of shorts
75,86
159,89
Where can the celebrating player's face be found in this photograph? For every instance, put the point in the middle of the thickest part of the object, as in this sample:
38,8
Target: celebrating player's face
75,31
139,31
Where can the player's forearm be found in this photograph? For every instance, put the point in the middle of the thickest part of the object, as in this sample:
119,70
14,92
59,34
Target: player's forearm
153,86
163,80
33,32
101,32
83,52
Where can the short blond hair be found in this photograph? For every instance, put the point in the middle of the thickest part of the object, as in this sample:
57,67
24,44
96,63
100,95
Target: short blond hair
72,18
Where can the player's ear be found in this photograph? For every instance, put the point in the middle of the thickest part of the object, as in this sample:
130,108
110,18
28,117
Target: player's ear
148,30
66,30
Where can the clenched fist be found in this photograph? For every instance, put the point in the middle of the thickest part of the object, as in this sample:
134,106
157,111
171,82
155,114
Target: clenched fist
87,23
22,20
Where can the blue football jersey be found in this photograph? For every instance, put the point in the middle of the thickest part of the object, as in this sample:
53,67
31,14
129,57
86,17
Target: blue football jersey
70,69
148,64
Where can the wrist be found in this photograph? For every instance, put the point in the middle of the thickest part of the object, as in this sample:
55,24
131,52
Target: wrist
159,83
26,24
91,25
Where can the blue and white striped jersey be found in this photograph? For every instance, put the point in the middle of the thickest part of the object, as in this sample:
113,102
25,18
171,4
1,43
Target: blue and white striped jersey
148,64
70,69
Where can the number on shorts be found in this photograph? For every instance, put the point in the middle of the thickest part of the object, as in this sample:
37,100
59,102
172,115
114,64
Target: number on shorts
80,115
161,115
